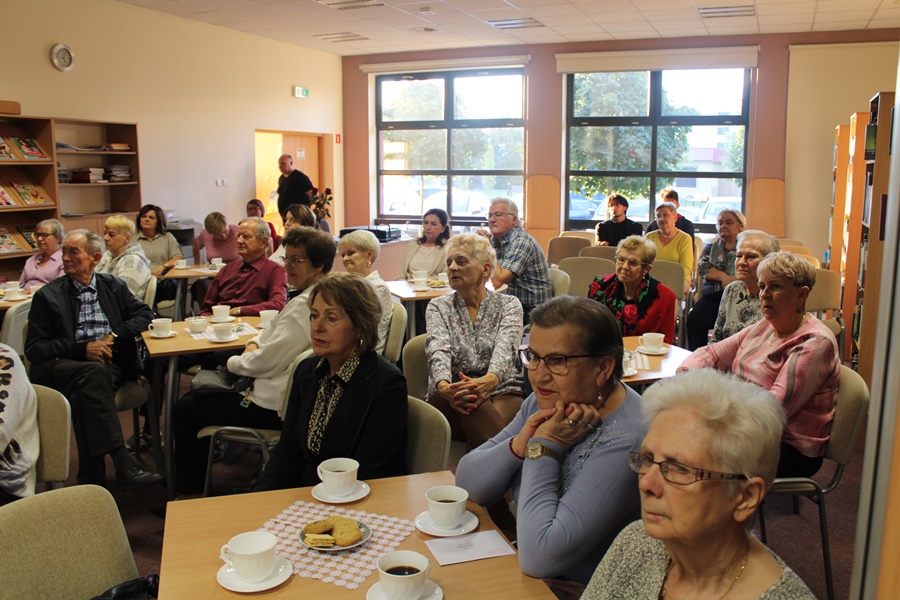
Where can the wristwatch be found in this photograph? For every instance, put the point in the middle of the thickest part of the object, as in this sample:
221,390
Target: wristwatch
536,450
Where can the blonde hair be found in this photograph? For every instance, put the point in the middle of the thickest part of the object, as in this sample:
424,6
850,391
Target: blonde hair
215,223
120,225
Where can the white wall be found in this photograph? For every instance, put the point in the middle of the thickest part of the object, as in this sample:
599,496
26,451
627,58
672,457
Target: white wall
197,91
827,83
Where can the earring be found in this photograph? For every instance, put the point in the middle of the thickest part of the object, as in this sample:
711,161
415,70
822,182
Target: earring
369,263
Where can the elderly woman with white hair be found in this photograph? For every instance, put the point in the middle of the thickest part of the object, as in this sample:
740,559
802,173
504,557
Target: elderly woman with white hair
792,354
359,250
709,457
472,346
123,258
739,307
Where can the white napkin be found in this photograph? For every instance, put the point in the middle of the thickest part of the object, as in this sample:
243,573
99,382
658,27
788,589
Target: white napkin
465,548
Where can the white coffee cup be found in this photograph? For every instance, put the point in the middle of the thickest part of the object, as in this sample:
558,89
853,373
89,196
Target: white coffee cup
338,475
160,327
180,263
446,505
397,586
197,324
251,555
14,293
444,277
224,331
420,285
420,274
266,315
35,288
220,312
627,357
217,261
652,341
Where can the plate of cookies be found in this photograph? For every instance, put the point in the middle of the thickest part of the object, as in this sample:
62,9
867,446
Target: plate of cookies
437,283
334,534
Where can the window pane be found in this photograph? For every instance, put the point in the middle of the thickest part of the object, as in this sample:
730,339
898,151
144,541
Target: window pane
587,192
701,148
702,198
412,100
414,149
610,148
472,194
490,97
625,94
707,92
488,148
412,195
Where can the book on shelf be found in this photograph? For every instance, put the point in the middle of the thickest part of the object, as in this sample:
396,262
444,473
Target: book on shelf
31,193
8,243
8,197
108,147
27,232
6,151
88,175
114,173
28,149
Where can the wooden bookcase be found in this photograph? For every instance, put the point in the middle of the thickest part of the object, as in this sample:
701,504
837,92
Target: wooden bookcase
77,205
837,252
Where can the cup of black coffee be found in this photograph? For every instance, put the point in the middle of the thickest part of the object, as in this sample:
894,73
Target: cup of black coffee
403,574
446,505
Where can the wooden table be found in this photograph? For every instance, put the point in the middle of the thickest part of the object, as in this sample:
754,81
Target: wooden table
196,529
181,276
180,344
403,291
653,368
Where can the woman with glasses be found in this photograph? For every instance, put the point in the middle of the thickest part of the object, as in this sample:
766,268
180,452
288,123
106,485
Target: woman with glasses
296,215
267,357
47,265
565,454
709,456
672,244
473,344
640,303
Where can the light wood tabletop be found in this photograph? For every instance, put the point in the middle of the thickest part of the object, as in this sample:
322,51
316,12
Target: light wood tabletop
196,530
652,368
181,277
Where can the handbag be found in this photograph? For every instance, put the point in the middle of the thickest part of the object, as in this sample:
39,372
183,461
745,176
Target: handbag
221,381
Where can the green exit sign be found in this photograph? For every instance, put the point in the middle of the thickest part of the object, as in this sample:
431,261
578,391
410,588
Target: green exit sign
301,92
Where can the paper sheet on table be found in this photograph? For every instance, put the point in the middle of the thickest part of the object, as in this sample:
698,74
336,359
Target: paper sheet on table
465,548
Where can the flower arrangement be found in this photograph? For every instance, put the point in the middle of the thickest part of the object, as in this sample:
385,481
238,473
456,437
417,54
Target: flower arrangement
321,202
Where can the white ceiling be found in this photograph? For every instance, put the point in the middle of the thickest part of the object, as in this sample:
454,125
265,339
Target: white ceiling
396,25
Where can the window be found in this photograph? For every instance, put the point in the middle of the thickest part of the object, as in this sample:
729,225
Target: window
451,140
637,132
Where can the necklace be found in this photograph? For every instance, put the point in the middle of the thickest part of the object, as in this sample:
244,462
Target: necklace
667,237
662,593
775,340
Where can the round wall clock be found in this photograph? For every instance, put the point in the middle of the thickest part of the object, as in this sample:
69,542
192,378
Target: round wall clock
62,57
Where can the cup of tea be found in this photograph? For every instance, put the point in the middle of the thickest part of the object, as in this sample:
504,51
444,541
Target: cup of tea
197,324
251,555
14,293
446,505
160,327
220,312
180,263
420,274
403,574
627,357
265,316
652,341
420,285
224,331
443,278
338,475
217,261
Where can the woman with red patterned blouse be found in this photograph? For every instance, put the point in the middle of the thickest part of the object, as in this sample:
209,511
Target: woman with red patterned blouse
640,303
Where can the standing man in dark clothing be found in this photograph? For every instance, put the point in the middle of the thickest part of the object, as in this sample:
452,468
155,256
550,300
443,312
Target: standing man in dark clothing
670,195
610,233
294,187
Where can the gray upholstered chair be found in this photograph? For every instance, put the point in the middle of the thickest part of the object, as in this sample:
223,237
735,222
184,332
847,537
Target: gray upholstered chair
12,331
415,366
607,252
428,438
560,282
564,247
54,417
396,333
68,543
582,270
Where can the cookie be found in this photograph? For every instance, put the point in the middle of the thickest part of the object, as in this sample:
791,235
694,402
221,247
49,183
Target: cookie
318,540
346,531
323,526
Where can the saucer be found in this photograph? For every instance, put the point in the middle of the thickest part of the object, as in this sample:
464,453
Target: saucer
162,337
366,534
184,268
282,571
227,319
431,591
425,525
361,491
15,299
630,373
659,352
233,338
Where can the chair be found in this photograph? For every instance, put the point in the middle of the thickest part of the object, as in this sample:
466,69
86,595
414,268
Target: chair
826,296
394,343
671,275
588,235
583,270
54,419
428,438
66,543
795,249
415,366
849,413
11,332
607,252
564,247
560,282
150,293
789,242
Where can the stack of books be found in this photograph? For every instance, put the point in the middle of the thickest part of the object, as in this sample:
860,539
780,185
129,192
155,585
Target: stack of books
115,173
62,173
88,175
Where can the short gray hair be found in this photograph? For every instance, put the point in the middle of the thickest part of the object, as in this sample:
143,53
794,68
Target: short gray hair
361,239
747,420
766,243
737,215
793,266
640,246
475,246
55,227
511,207
93,242
262,226
667,205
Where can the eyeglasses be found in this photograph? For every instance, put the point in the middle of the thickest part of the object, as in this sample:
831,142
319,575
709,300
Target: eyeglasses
491,215
631,262
555,363
294,261
290,221
41,236
675,472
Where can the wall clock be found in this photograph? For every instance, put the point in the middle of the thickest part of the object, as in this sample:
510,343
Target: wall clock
62,58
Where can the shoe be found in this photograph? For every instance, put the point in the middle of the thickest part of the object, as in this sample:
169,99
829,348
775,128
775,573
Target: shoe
219,452
134,477
146,442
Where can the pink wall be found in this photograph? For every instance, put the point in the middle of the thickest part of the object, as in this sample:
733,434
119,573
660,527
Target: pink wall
545,127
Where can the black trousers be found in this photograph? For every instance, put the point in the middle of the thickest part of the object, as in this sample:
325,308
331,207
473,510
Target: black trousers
701,319
793,464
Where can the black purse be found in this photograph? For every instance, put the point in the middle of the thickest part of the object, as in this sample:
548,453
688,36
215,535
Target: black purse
221,381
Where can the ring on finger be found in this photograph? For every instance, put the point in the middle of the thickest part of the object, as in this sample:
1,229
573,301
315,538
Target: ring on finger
589,426
571,422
